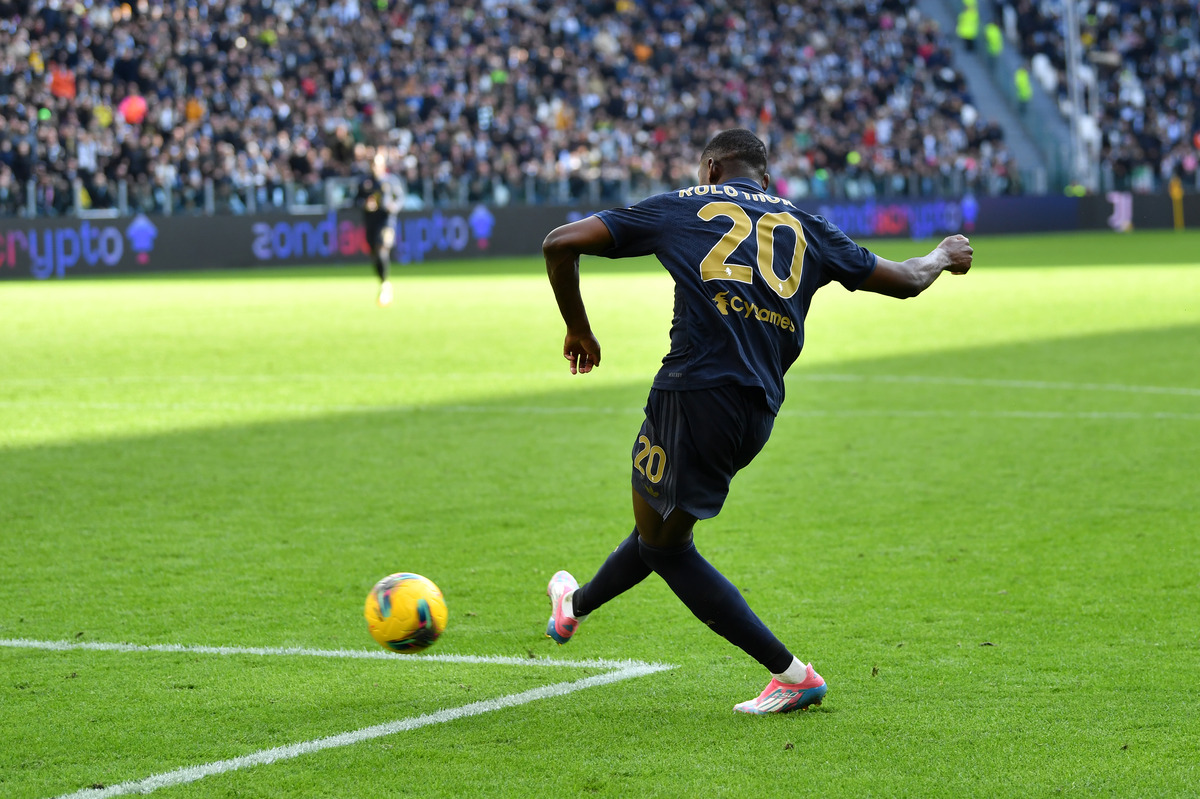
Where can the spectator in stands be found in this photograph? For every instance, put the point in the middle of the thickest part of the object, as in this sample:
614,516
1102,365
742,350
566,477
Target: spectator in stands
100,195
968,24
11,198
1023,86
1139,80
994,35
573,99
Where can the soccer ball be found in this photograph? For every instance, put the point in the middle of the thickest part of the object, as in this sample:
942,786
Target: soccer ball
405,612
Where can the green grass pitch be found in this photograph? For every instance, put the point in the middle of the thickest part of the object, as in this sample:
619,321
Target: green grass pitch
977,516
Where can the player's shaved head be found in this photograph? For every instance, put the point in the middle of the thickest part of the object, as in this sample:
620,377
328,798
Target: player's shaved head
740,146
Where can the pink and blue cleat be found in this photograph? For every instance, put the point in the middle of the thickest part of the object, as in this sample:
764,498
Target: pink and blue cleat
563,622
780,697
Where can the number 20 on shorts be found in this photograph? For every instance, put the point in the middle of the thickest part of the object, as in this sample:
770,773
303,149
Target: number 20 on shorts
650,460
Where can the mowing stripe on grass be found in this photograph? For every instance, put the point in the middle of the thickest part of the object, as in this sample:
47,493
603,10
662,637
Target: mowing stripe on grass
631,410
620,670
819,377
957,414
315,377
998,383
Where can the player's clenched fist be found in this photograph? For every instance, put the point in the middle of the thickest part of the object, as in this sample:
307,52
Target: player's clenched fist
958,247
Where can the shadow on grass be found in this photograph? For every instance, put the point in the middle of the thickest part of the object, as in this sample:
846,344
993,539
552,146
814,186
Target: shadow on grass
205,535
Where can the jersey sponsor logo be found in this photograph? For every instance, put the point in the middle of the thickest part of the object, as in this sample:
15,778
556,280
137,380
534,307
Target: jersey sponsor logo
749,310
721,298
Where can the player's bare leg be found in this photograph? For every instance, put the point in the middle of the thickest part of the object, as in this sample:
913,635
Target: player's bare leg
673,531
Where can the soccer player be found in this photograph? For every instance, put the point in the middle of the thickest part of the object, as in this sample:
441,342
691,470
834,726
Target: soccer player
380,196
745,265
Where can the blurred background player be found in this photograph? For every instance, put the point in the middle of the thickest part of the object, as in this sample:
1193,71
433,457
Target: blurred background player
746,265
380,196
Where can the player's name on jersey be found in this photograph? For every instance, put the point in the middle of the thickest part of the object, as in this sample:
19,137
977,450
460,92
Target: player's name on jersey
732,191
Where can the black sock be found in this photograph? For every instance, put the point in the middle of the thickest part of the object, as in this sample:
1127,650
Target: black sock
382,267
717,602
623,570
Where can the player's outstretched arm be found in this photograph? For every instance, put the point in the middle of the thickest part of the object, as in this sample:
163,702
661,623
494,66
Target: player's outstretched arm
561,249
909,278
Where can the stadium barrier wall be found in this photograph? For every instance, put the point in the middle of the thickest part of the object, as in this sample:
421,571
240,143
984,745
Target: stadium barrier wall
67,246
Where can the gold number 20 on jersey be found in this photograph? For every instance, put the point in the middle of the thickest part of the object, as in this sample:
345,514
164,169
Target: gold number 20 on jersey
715,265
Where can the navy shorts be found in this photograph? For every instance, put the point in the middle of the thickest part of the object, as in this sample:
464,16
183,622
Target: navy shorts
693,443
377,235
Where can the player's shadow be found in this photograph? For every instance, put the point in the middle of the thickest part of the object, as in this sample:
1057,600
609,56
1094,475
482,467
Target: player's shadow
260,519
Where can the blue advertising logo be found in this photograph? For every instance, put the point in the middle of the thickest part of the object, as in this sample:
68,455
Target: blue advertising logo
141,233
416,236
419,235
916,219
52,251
482,222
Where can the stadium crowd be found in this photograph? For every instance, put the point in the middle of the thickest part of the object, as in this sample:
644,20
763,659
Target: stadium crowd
1142,73
497,100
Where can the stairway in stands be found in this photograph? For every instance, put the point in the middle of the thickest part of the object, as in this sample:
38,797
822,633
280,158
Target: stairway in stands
1039,139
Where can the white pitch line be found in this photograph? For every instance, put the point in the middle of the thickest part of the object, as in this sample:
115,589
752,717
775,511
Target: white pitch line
352,654
267,756
619,670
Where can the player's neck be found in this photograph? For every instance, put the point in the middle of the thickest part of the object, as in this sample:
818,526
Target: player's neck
727,178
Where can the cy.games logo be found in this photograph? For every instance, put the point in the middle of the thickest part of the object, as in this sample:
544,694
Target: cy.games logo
416,236
740,307
52,251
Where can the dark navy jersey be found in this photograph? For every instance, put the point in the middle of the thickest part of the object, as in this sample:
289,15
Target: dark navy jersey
746,265
388,193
